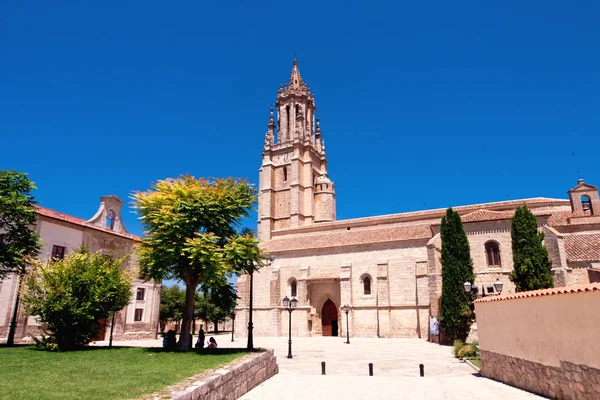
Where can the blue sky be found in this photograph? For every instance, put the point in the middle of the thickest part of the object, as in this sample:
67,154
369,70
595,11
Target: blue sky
422,104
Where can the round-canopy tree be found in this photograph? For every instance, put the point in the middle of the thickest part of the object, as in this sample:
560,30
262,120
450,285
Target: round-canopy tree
71,296
187,223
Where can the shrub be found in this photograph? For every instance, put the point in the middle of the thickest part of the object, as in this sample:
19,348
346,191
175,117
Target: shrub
467,351
72,295
458,344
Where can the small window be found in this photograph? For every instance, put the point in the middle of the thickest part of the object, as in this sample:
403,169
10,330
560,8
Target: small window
492,252
294,288
141,292
110,219
58,252
139,313
367,285
285,174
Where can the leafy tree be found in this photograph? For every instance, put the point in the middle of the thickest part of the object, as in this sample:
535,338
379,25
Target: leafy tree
71,296
216,304
457,268
245,256
187,224
530,258
172,301
18,243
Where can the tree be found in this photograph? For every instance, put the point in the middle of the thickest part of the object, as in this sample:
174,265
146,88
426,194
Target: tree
187,223
457,268
532,267
172,301
71,296
18,243
245,256
216,304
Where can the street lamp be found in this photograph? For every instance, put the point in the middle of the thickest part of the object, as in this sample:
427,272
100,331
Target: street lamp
290,305
498,285
346,309
232,324
250,345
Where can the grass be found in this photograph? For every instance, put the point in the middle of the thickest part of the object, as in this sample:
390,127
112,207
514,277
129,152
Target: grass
100,373
475,361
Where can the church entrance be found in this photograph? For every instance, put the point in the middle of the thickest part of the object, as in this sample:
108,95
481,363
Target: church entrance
329,317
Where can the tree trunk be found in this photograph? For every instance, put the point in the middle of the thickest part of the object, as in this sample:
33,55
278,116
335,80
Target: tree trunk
185,338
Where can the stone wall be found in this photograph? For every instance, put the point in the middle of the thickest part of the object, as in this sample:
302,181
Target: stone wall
544,341
228,383
569,381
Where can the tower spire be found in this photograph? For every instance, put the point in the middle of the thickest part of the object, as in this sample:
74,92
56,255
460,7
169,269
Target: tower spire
296,81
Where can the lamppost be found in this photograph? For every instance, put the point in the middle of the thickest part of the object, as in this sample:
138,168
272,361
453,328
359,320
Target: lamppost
498,285
232,324
290,305
250,345
346,309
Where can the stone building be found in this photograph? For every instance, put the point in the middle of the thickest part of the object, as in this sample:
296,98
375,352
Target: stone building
386,268
104,232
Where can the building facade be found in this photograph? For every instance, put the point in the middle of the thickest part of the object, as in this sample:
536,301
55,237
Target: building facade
104,232
386,268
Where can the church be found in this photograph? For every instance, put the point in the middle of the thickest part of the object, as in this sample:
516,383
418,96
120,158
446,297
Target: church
385,268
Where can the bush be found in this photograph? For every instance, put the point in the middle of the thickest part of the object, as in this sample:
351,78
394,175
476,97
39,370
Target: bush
458,344
72,295
467,351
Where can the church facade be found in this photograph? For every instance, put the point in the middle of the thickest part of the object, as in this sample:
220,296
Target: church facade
385,268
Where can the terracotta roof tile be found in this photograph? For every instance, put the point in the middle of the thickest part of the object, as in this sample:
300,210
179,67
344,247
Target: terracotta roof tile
46,212
487,215
349,238
582,246
588,287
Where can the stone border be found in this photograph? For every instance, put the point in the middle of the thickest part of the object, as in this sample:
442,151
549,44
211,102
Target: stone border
230,382
568,382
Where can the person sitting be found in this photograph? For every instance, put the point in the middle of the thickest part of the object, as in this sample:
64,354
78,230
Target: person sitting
212,343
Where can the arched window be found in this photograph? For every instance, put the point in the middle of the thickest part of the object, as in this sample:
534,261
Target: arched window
492,252
294,288
285,174
586,204
366,285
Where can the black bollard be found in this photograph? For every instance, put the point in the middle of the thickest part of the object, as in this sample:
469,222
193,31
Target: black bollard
323,368
422,369
370,369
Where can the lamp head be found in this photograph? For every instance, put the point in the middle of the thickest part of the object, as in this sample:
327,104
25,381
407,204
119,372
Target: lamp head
467,286
498,285
286,302
294,302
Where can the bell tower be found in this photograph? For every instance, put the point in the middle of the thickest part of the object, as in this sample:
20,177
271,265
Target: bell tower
293,183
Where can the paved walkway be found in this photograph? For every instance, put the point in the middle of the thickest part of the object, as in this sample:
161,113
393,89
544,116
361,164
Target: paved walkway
395,369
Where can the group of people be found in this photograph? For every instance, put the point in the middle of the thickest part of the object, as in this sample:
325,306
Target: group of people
212,343
170,339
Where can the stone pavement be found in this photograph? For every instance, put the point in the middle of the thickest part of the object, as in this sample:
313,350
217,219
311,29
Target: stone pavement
395,369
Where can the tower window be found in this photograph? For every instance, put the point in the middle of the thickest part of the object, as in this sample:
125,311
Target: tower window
492,252
285,174
141,292
366,285
139,313
294,288
586,204
110,219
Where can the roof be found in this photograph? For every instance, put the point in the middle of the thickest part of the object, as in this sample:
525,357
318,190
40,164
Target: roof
349,238
46,212
489,215
588,287
498,206
582,246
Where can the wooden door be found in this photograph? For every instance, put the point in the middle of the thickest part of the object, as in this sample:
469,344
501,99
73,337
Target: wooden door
329,318
102,332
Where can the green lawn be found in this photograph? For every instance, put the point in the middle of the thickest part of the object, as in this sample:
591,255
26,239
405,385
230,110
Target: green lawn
476,362
99,373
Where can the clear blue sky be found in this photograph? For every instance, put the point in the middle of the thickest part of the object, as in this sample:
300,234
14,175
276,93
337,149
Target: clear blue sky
422,104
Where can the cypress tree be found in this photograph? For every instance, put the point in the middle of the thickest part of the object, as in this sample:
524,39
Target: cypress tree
457,267
532,267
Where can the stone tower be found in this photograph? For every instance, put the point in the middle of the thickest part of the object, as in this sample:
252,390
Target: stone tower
293,183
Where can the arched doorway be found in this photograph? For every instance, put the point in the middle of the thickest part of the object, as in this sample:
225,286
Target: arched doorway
329,318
